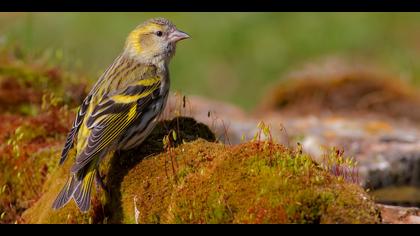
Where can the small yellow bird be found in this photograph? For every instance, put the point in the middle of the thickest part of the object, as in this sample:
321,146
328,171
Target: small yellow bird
122,108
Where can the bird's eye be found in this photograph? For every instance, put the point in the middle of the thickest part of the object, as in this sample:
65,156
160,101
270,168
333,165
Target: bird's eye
159,33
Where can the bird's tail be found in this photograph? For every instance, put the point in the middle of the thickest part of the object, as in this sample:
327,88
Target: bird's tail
78,188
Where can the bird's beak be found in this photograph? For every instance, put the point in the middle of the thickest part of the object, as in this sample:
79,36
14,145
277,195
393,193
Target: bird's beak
177,35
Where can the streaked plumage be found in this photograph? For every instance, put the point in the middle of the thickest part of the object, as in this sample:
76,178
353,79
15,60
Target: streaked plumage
122,108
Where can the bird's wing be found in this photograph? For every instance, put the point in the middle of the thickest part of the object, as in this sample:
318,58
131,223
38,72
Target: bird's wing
111,117
75,128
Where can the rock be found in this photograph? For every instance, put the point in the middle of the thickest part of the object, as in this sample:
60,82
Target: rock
370,114
203,181
207,182
215,183
399,215
382,163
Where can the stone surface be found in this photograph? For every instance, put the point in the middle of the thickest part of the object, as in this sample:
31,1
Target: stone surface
399,215
388,151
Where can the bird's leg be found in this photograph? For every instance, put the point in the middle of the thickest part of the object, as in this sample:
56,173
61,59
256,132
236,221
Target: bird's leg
100,181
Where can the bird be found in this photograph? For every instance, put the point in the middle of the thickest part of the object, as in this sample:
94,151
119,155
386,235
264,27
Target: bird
122,108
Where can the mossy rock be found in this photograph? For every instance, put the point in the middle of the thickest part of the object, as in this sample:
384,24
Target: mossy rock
41,211
116,168
249,183
208,182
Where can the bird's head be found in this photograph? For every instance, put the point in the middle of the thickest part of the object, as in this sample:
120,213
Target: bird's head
154,41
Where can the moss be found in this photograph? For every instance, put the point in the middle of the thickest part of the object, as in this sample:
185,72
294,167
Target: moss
34,122
29,152
206,182
242,184
185,178
187,129
104,210
41,211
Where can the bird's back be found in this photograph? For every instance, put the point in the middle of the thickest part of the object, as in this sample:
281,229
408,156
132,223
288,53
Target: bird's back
114,81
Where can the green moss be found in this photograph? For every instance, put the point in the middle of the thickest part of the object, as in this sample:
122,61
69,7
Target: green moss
206,182
242,184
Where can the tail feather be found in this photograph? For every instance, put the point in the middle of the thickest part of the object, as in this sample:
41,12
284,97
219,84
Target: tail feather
83,191
77,188
66,193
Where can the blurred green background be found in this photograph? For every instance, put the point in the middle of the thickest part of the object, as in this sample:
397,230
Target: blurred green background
233,57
